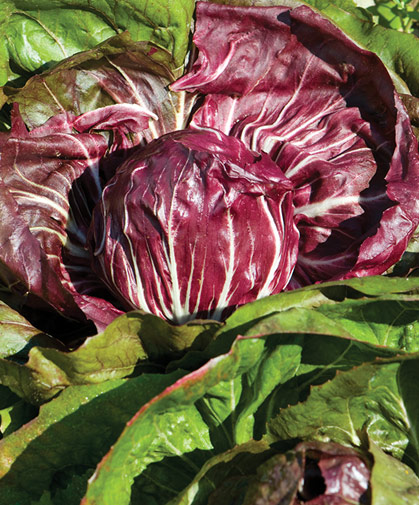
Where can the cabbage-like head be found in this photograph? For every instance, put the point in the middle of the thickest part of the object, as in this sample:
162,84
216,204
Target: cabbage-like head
193,225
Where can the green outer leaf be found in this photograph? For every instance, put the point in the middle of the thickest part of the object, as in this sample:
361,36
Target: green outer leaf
375,397
36,34
77,428
399,51
318,294
129,341
376,285
212,408
108,355
117,71
242,460
163,341
226,402
392,482
389,320
380,310
14,412
17,335
235,394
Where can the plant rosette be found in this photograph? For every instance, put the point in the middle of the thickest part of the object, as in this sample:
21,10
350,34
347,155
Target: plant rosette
217,227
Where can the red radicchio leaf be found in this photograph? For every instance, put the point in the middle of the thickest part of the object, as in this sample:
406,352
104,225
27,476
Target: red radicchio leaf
314,473
38,170
326,111
333,474
194,225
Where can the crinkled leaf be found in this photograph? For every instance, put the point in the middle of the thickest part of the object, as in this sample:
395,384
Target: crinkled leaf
124,87
341,141
228,401
215,219
36,35
320,268
375,397
397,50
119,71
163,341
210,409
41,368
37,171
111,354
22,259
380,310
385,321
234,395
75,429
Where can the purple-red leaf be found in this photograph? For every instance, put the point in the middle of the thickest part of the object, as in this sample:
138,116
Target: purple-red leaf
315,473
326,111
195,224
37,171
